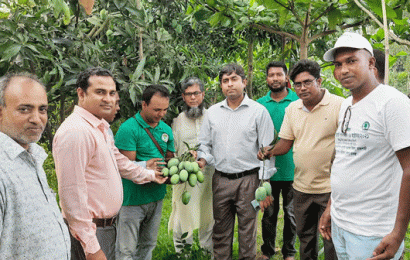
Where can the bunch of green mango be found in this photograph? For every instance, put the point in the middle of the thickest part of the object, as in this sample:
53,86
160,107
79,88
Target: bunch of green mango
264,190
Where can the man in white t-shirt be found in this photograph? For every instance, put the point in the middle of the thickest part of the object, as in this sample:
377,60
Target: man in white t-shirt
369,209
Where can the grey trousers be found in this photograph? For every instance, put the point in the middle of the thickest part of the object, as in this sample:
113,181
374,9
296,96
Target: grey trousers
230,198
106,238
137,230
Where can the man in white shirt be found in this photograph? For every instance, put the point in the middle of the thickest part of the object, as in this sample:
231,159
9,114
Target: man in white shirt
198,213
369,207
231,134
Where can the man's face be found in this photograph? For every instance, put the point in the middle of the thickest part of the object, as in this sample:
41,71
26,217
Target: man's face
99,99
276,79
307,87
155,110
115,109
233,86
24,116
193,96
353,67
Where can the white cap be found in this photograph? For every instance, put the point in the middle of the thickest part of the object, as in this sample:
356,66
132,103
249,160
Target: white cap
349,40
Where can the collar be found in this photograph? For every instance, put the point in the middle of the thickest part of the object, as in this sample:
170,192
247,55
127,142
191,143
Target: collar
90,118
324,102
245,102
287,98
13,149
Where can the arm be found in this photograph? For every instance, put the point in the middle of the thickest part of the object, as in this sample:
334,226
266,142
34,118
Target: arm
205,140
391,243
152,164
325,222
282,147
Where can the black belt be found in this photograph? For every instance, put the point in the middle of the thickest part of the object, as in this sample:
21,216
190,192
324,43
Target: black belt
102,222
234,176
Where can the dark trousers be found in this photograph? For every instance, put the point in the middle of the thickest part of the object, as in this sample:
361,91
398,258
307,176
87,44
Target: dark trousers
106,238
270,218
230,198
308,210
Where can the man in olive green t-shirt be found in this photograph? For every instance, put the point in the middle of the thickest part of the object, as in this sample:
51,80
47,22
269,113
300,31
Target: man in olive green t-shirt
140,214
276,101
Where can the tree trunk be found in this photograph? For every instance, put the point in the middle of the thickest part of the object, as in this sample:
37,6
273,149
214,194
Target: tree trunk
250,66
386,44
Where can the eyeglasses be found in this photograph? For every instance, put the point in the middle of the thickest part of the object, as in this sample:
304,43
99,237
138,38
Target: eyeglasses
190,94
307,83
346,119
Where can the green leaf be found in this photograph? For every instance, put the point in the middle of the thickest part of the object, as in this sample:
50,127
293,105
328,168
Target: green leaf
138,71
10,52
215,18
157,74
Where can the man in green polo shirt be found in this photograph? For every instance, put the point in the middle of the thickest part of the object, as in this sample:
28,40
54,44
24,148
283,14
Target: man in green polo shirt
276,101
140,214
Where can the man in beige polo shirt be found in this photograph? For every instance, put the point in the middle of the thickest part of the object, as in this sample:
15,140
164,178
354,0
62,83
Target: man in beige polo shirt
309,126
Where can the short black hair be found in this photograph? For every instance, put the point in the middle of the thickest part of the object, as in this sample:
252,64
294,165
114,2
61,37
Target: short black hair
277,64
231,68
380,59
191,81
312,67
83,78
152,90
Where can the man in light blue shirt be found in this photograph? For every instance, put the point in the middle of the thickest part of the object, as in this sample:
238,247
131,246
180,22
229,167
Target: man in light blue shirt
231,134
31,226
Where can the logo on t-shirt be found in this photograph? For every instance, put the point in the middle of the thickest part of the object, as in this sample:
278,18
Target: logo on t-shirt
165,137
366,125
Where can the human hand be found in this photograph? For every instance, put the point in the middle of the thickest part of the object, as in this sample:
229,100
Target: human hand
266,203
155,164
388,247
194,153
159,178
99,255
325,225
264,153
201,163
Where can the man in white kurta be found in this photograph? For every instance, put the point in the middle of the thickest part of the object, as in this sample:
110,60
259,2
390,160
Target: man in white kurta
198,213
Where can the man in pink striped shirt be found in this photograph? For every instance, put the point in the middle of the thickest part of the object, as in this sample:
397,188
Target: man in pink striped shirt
89,168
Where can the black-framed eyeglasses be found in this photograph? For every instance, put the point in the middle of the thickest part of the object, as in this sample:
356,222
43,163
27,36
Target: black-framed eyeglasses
307,83
195,94
346,119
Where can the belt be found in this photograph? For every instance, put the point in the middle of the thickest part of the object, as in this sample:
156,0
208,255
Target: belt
101,222
234,176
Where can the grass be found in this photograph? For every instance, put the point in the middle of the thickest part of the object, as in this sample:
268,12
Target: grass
165,247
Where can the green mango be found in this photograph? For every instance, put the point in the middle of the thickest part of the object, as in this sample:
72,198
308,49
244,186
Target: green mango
181,166
173,162
196,167
173,170
188,166
175,179
183,176
260,194
186,197
200,176
192,180
165,172
268,188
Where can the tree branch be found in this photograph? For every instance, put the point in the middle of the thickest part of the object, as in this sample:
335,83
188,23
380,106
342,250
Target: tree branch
330,8
271,30
290,8
374,18
324,33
